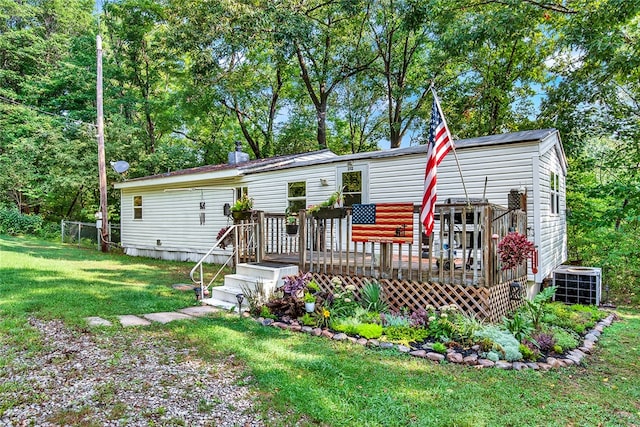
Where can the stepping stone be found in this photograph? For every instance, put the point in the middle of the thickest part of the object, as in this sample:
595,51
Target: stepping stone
97,321
166,317
199,311
131,320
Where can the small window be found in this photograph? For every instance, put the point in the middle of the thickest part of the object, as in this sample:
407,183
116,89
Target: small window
554,193
352,187
241,191
137,207
296,196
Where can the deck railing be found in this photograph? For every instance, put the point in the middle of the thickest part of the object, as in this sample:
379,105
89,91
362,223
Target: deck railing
462,250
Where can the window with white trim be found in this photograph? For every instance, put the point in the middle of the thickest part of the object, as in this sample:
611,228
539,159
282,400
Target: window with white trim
353,181
554,192
296,196
137,207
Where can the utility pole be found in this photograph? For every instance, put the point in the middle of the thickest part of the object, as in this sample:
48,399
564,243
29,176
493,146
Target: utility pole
102,169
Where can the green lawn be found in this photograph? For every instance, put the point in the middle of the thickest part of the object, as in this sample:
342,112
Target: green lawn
313,379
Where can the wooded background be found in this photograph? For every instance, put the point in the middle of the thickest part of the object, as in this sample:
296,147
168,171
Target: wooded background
184,79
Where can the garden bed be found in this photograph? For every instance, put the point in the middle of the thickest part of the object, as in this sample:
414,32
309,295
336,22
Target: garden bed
540,335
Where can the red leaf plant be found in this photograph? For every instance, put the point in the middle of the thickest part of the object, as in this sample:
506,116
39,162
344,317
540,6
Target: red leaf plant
514,249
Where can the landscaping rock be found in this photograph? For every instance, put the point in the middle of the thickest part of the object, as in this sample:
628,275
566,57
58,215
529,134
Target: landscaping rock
428,346
436,357
554,363
373,343
503,364
316,332
533,365
306,329
599,328
470,360
519,366
454,357
591,337
339,337
327,333
403,348
486,363
544,366
267,322
352,340
295,328
386,345
572,357
419,353
595,332
280,325
362,341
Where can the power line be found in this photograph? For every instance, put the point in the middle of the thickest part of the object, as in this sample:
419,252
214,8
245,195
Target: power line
37,110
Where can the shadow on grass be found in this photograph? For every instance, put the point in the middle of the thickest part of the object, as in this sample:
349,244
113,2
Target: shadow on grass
346,384
50,294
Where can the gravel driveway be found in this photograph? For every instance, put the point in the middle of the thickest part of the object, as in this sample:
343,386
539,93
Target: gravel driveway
94,379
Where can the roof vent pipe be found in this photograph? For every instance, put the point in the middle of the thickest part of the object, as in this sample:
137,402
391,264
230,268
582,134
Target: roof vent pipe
238,156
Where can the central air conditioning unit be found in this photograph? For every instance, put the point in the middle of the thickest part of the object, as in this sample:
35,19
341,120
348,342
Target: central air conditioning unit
578,285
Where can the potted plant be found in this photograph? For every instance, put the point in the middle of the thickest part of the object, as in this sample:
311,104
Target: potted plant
330,208
241,209
309,302
291,223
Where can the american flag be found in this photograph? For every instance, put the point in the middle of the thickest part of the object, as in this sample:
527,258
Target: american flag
382,222
439,144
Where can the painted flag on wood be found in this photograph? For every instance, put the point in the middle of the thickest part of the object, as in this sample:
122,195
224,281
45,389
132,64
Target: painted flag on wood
382,222
439,144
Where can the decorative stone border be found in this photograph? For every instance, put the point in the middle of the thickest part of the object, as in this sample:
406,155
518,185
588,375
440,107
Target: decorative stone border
573,357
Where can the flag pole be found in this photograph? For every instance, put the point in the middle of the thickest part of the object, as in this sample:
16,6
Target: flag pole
453,145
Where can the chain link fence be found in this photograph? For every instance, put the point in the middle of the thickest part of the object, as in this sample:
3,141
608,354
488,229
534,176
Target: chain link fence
86,234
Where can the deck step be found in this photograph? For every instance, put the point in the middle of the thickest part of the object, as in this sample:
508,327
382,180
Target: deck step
267,271
225,305
226,294
241,282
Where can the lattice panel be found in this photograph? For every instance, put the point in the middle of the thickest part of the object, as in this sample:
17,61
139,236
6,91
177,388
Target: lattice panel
485,303
501,301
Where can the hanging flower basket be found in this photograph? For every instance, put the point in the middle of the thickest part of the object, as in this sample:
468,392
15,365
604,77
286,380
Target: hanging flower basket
241,215
514,250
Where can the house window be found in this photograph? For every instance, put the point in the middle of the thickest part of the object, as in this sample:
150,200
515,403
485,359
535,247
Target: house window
137,207
352,187
241,191
353,182
296,196
554,192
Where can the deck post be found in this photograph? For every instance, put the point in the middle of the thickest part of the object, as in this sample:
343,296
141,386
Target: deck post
302,239
260,237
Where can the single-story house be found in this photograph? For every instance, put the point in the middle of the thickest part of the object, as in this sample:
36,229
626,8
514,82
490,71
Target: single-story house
177,215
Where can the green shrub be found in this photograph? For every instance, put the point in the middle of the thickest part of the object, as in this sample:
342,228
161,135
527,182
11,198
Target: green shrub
519,325
348,325
308,320
13,222
438,347
565,339
266,313
369,331
577,318
528,353
503,341
405,334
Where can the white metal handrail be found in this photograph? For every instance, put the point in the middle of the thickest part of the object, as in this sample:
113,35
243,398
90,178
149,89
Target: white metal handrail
236,247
